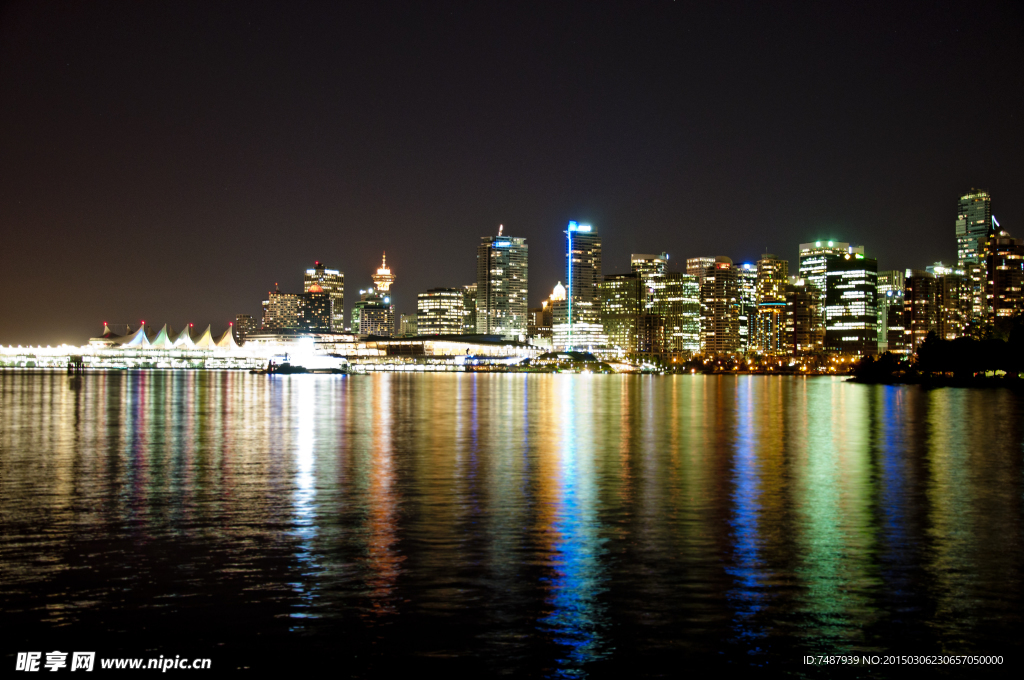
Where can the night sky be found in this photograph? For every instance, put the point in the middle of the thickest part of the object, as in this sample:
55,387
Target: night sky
171,161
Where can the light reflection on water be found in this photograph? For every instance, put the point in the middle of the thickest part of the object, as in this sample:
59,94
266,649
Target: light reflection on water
554,526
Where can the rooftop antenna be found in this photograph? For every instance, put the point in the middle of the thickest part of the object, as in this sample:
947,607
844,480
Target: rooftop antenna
500,228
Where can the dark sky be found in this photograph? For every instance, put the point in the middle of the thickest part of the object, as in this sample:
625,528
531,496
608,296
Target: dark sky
171,161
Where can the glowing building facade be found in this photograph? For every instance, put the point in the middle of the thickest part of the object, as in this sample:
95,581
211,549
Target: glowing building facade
439,311
719,302
851,311
332,282
577,322
501,286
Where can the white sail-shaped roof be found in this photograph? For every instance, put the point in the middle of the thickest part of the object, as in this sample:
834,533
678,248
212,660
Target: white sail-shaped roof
136,339
227,341
205,340
184,340
162,340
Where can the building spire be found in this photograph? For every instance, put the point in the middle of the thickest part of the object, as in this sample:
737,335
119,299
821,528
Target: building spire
383,278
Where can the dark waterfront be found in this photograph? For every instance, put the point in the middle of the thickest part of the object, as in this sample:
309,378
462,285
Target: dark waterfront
522,525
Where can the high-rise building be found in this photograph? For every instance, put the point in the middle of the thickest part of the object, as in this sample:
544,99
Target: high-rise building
973,222
439,312
469,309
373,314
851,311
309,311
621,298
245,325
890,295
772,279
952,300
648,267
746,283
383,279
675,297
501,285
1004,262
577,322
920,312
770,328
698,266
407,326
813,260
719,301
804,333
332,282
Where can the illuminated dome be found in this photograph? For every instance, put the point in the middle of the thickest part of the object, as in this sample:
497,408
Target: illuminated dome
316,288
558,293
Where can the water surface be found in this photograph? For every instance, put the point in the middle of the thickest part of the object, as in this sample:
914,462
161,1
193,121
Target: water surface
522,525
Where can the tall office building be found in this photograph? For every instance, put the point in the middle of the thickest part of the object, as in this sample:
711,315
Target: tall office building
622,297
439,312
577,322
373,314
697,267
890,296
746,282
719,302
851,312
804,334
469,309
309,311
245,325
814,258
676,299
407,326
920,312
648,267
772,278
973,225
501,285
952,300
973,222
332,282
1004,287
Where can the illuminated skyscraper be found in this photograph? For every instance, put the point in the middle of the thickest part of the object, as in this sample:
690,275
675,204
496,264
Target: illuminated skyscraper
1004,262
332,282
439,312
920,315
851,312
804,334
577,323
697,267
676,298
501,285
244,326
622,298
769,333
890,296
469,309
720,309
309,311
746,283
373,314
648,267
973,222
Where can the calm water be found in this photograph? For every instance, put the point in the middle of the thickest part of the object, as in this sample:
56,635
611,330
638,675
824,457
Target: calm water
544,525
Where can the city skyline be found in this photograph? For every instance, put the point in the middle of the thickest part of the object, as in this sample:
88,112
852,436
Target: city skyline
217,150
